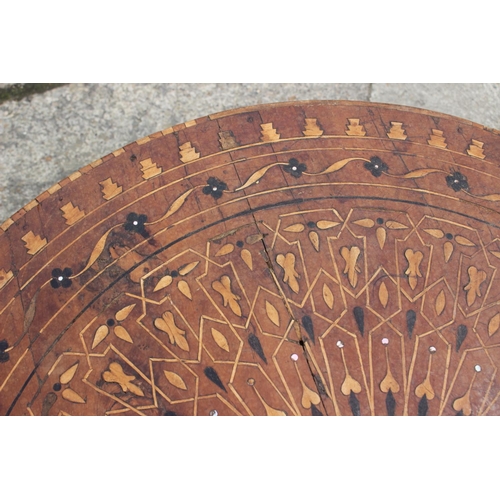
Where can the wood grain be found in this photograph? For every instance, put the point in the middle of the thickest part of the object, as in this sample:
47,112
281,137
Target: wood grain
303,258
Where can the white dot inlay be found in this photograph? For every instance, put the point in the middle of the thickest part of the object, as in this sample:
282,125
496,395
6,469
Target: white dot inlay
477,368
214,413
295,357
385,341
340,344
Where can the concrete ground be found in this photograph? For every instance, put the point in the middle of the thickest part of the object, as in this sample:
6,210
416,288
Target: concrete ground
45,137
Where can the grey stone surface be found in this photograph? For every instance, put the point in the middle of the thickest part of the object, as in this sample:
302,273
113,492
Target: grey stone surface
45,137
478,102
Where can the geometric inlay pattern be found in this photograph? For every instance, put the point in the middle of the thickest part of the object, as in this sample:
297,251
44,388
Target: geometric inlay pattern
316,258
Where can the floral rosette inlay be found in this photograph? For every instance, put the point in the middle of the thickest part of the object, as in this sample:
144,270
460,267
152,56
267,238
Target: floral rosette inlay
457,182
215,188
294,168
61,278
376,166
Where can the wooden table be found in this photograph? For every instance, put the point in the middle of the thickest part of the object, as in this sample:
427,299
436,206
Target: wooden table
307,258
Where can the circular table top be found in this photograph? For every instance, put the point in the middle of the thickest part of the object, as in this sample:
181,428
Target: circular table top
307,258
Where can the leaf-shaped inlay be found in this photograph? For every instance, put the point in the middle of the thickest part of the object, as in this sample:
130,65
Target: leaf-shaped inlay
496,254
328,296
314,239
294,228
247,258
440,303
188,268
96,252
350,385
165,281
30,313
389,383
220,340
309,397
100,334
71,395
420,173
255,344
463,404
390,404
381,236
461,334
315,412
464,241
392,224
338,165
255,177
176,205
184,289
272,313
494,324
425,389
175,380
354,404
437,233
308,327
68,375
121,333
326,224
411,319
448,250
359,316
489,197
383,295
213,376
423,406
123,313
226,249
351,269
364,222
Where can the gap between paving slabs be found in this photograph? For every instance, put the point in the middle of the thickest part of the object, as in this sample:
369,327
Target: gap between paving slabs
18,91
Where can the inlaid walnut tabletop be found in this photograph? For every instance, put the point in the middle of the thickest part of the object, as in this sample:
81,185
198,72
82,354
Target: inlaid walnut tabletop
307,258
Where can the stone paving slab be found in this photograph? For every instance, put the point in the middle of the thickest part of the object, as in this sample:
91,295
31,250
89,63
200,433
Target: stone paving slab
478,102
46,137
